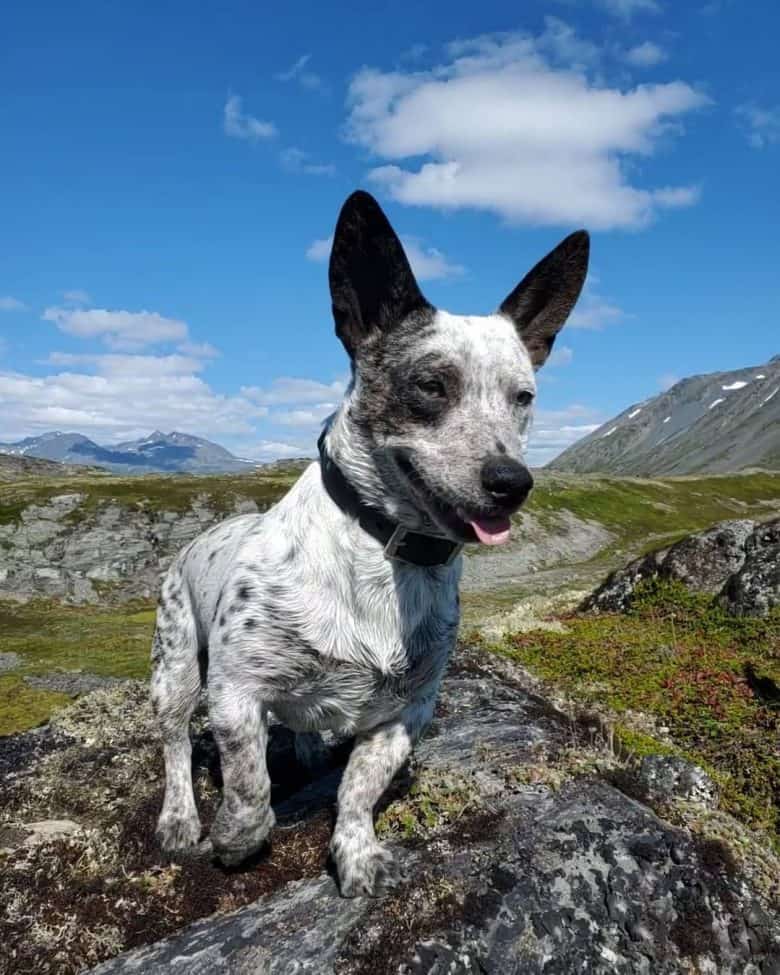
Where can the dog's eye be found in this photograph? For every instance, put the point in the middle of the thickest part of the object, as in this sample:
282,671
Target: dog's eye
524,398
432,387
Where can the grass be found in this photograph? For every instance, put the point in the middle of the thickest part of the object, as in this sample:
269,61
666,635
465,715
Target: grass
160,493
707,678
640,508
53,638
23,707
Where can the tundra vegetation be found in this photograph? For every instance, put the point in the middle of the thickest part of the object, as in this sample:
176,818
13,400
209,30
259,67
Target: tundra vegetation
674,675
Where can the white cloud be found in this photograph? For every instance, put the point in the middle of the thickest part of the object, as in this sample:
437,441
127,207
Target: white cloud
199,350
297,161
555,430
297,72
593,312
291,390
129,365
319,250
625,9
761,125
266,450
501,127
428,263
561,355
7,303
667,380
76,297
310,418
120,329
563,45
242,126
115,397
645,55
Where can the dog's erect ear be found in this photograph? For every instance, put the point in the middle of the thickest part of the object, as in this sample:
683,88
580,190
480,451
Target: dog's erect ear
371,284
542,301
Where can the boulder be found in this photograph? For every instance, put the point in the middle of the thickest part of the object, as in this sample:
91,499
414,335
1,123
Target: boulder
664,778
615,595
705,561
755,588
736,561
514,876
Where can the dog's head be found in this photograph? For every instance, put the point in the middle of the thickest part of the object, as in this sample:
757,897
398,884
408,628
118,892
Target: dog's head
442,402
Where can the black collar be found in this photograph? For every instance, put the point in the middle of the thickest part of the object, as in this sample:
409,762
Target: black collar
399,543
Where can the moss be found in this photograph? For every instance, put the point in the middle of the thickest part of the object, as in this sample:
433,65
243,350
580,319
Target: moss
552,771
54,638
23,707
435,801
51,637
690,669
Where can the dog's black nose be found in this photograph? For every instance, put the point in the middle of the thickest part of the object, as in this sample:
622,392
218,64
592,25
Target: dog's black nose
507,481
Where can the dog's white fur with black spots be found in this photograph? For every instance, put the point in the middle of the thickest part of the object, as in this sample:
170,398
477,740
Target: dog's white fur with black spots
300,611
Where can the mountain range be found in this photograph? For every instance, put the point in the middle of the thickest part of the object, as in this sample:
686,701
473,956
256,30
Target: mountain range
159,452
713,423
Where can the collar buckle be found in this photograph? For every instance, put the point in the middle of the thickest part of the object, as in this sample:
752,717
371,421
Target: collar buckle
397,539
393,543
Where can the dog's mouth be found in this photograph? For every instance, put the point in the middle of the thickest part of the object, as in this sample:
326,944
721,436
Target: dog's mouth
489,528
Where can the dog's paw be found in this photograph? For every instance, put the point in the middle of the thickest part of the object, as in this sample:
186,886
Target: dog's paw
234,838
369,870
177,833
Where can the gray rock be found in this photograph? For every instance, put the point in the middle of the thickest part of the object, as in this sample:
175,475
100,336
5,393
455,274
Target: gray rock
615,595
528,880
738,561
705,561
755,589
663,778
46,830
59,550
9,661
72,683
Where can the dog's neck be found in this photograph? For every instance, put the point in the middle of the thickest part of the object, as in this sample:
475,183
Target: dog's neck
352,481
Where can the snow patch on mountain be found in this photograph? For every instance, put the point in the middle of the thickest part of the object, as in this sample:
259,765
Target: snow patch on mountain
683,430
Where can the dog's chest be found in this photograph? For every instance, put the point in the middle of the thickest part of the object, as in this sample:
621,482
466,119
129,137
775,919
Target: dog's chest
349,643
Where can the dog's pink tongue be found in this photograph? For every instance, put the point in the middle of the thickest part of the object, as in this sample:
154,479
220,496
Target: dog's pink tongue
492,531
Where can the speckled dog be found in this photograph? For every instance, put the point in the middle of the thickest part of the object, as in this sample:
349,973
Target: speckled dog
338,608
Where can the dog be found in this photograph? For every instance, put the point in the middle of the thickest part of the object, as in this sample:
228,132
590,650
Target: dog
338,608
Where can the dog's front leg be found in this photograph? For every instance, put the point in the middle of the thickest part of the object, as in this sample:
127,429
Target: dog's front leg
244,818
364,866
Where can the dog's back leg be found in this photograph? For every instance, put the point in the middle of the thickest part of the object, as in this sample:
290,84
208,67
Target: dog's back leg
175,690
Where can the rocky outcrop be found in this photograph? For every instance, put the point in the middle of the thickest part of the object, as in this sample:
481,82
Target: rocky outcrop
75,547
524,878
738,562
521,856
66,549
755,588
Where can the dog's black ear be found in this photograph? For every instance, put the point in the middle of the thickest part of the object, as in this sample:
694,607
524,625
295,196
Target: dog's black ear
371,284
542,301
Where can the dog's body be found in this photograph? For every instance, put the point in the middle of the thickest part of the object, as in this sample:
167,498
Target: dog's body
300,611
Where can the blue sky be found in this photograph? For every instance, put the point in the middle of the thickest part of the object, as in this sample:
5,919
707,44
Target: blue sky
170,175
